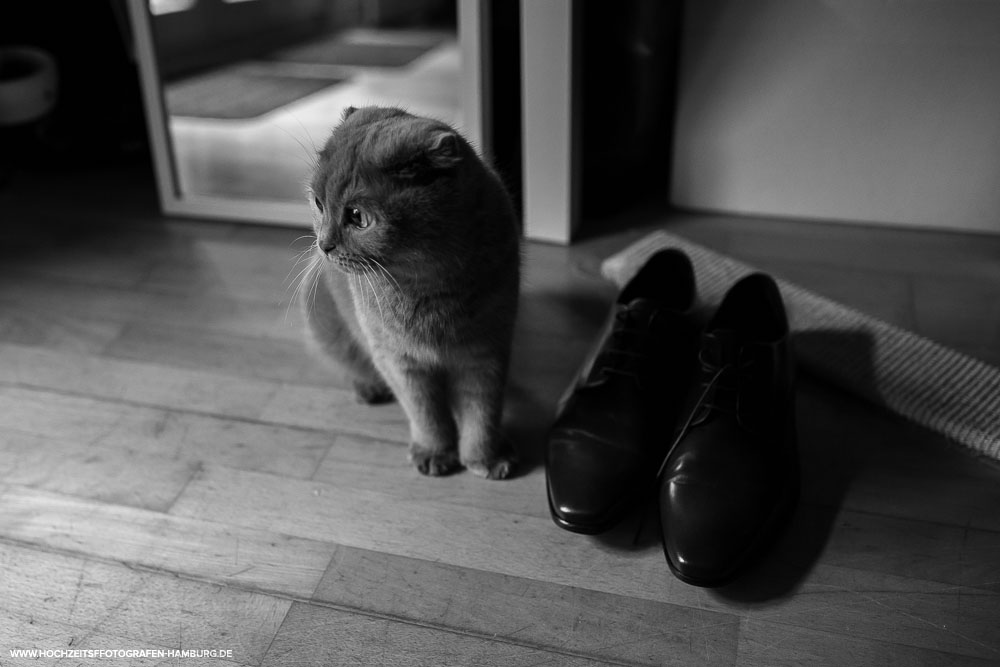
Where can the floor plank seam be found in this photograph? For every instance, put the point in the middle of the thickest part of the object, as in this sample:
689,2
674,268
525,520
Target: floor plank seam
896,517
189,411
140,287
267,651
86,633
138,567
749,655
227,374
322,459
835,511
199,466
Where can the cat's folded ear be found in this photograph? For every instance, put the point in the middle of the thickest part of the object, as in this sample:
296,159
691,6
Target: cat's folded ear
444,149
347,113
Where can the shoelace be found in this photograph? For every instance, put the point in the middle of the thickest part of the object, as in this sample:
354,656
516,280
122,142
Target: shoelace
626,337
703,408
698,414
692,417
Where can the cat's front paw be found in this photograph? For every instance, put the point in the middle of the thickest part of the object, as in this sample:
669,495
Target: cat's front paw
434,464
372,393
499,468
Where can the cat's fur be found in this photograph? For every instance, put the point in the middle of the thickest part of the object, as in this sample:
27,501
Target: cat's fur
417,269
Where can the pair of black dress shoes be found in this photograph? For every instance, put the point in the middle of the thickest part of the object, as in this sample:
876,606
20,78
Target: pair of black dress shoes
703,417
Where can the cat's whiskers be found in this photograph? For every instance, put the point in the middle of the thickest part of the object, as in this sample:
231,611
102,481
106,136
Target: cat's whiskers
303,256
366,270
305,236
306,281
317,271
312,142
387,274
310,157
293,299
306,255
296,283
356,277
391,289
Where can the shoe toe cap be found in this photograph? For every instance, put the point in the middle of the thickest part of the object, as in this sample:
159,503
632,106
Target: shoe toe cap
590,483
703,547
711,530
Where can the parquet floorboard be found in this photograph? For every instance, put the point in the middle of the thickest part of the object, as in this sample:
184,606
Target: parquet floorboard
176,470
136,605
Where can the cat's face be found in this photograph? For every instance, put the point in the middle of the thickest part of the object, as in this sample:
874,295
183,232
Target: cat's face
384,183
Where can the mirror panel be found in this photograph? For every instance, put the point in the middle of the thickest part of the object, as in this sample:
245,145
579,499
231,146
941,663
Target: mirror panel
241,94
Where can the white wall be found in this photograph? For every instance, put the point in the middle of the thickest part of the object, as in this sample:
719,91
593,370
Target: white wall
548,172
861,110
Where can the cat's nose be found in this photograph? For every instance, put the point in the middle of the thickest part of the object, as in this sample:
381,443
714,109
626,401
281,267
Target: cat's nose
326,247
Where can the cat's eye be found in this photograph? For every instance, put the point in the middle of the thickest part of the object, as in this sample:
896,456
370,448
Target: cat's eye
319,204
354,216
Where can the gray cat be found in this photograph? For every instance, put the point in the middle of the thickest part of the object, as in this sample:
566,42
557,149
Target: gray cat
416,272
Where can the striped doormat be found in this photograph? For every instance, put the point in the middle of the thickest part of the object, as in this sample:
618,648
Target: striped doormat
337,51
239,93
934,386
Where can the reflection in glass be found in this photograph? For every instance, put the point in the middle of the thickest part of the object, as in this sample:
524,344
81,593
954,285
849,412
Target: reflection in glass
160,7
252,89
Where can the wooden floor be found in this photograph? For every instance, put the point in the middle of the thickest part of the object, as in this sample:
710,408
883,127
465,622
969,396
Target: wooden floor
176,472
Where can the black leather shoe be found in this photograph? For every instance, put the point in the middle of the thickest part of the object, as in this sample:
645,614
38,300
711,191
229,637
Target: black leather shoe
614,424
732,478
